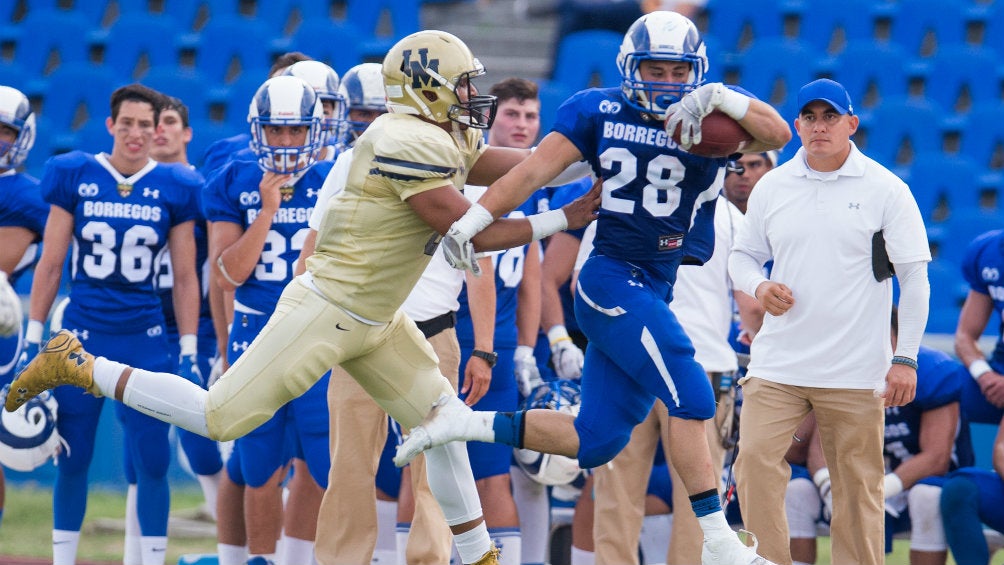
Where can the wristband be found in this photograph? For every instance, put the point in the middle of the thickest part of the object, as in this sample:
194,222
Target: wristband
734,104
547,223
900,360
976,368
557,333
821,477
33,333
475,219
892,484
189,345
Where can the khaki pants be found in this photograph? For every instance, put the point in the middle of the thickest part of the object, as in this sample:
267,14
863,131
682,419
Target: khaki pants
851,423
347,522
620,488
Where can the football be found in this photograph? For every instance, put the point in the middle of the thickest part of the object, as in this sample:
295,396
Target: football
721,136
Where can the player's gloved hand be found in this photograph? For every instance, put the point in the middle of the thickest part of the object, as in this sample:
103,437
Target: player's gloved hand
566,357
216,371
11,314
32,345
457,246
525,367
822,480
188,361
690,110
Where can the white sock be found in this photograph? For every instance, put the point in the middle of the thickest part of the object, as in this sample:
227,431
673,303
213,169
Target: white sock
386,511
654,539
534,510
133,551
210,488
582,557
164,396
800,563
715,524
232,554
474,543
106,375
296,551
508,542
154,549
401,533
64,547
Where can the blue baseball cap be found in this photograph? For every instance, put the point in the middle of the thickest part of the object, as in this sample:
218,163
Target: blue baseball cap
829,91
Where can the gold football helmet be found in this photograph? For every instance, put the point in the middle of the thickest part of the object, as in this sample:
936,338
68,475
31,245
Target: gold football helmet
425,74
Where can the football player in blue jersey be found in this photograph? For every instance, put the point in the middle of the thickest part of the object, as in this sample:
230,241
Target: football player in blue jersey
22,220
119,211
326,84
652,188
259,234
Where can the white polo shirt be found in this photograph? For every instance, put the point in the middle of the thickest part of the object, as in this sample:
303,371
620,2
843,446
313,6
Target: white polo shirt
818,228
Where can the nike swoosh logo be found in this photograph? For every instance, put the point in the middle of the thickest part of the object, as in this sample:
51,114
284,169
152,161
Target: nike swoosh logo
158,549
339,326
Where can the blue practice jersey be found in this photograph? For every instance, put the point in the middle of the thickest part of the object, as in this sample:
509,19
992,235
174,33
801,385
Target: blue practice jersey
232,196
983,269
508,276
653,191
21,206
939,382
121,226
219,152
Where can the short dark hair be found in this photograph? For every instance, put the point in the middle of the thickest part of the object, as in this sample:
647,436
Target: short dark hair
175,103
137,93
287,59
513,87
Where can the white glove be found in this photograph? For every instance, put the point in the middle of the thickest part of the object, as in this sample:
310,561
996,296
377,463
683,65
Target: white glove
525,367
566,357
215,372
697,104
822,480
457,246
11,314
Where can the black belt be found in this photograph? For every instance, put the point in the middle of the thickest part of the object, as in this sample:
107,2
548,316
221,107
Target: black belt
432,327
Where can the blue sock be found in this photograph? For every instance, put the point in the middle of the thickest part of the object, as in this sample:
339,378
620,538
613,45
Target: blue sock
960,499
705,503
508,428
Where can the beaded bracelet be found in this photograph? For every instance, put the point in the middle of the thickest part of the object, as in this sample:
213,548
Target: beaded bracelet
900,360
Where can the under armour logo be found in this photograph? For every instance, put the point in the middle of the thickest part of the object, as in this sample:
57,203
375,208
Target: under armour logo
242,346
82,335
636,283
853,205
76,358
151,192
311,193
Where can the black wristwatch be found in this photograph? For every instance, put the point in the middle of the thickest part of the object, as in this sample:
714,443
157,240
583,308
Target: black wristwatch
490,357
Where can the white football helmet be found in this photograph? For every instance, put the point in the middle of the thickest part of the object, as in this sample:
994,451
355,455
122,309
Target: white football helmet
362,89
325,82
661,36
423,74
545,468
28,436
15,111
286,101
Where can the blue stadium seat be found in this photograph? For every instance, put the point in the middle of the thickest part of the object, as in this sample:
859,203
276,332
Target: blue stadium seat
205,132
775,69
864,63
239,96
335,43
963,226
94,12
189,85
981,142
915,19
364,15
993,37
76,84
552,95
856,18
134,35
728,18
43,31
948,291
896,122
956,67
183,12
228,37
582,54
935,176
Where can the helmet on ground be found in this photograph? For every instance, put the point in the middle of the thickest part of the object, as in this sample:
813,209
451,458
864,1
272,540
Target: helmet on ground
28,436
324,80
15,112
286,101
562,395
660,36
362,89
425,73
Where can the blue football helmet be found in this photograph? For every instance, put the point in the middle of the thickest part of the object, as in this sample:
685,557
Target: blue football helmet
565,396
362,88
15,112
28,436
286,101
325,82
660,36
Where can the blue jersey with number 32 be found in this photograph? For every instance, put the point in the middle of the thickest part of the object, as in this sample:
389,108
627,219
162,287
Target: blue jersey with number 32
120,227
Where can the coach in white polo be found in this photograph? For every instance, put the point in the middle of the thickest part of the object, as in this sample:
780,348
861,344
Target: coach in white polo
825,343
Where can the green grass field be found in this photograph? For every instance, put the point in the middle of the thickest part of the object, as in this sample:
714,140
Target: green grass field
27,522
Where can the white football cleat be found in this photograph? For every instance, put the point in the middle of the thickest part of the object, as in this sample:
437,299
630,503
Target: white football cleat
445,422
730,550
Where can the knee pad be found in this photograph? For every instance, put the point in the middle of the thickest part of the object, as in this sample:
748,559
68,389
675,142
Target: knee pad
927,532
598,449
802,506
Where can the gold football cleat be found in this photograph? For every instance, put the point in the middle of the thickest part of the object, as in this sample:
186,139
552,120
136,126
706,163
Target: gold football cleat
62,361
